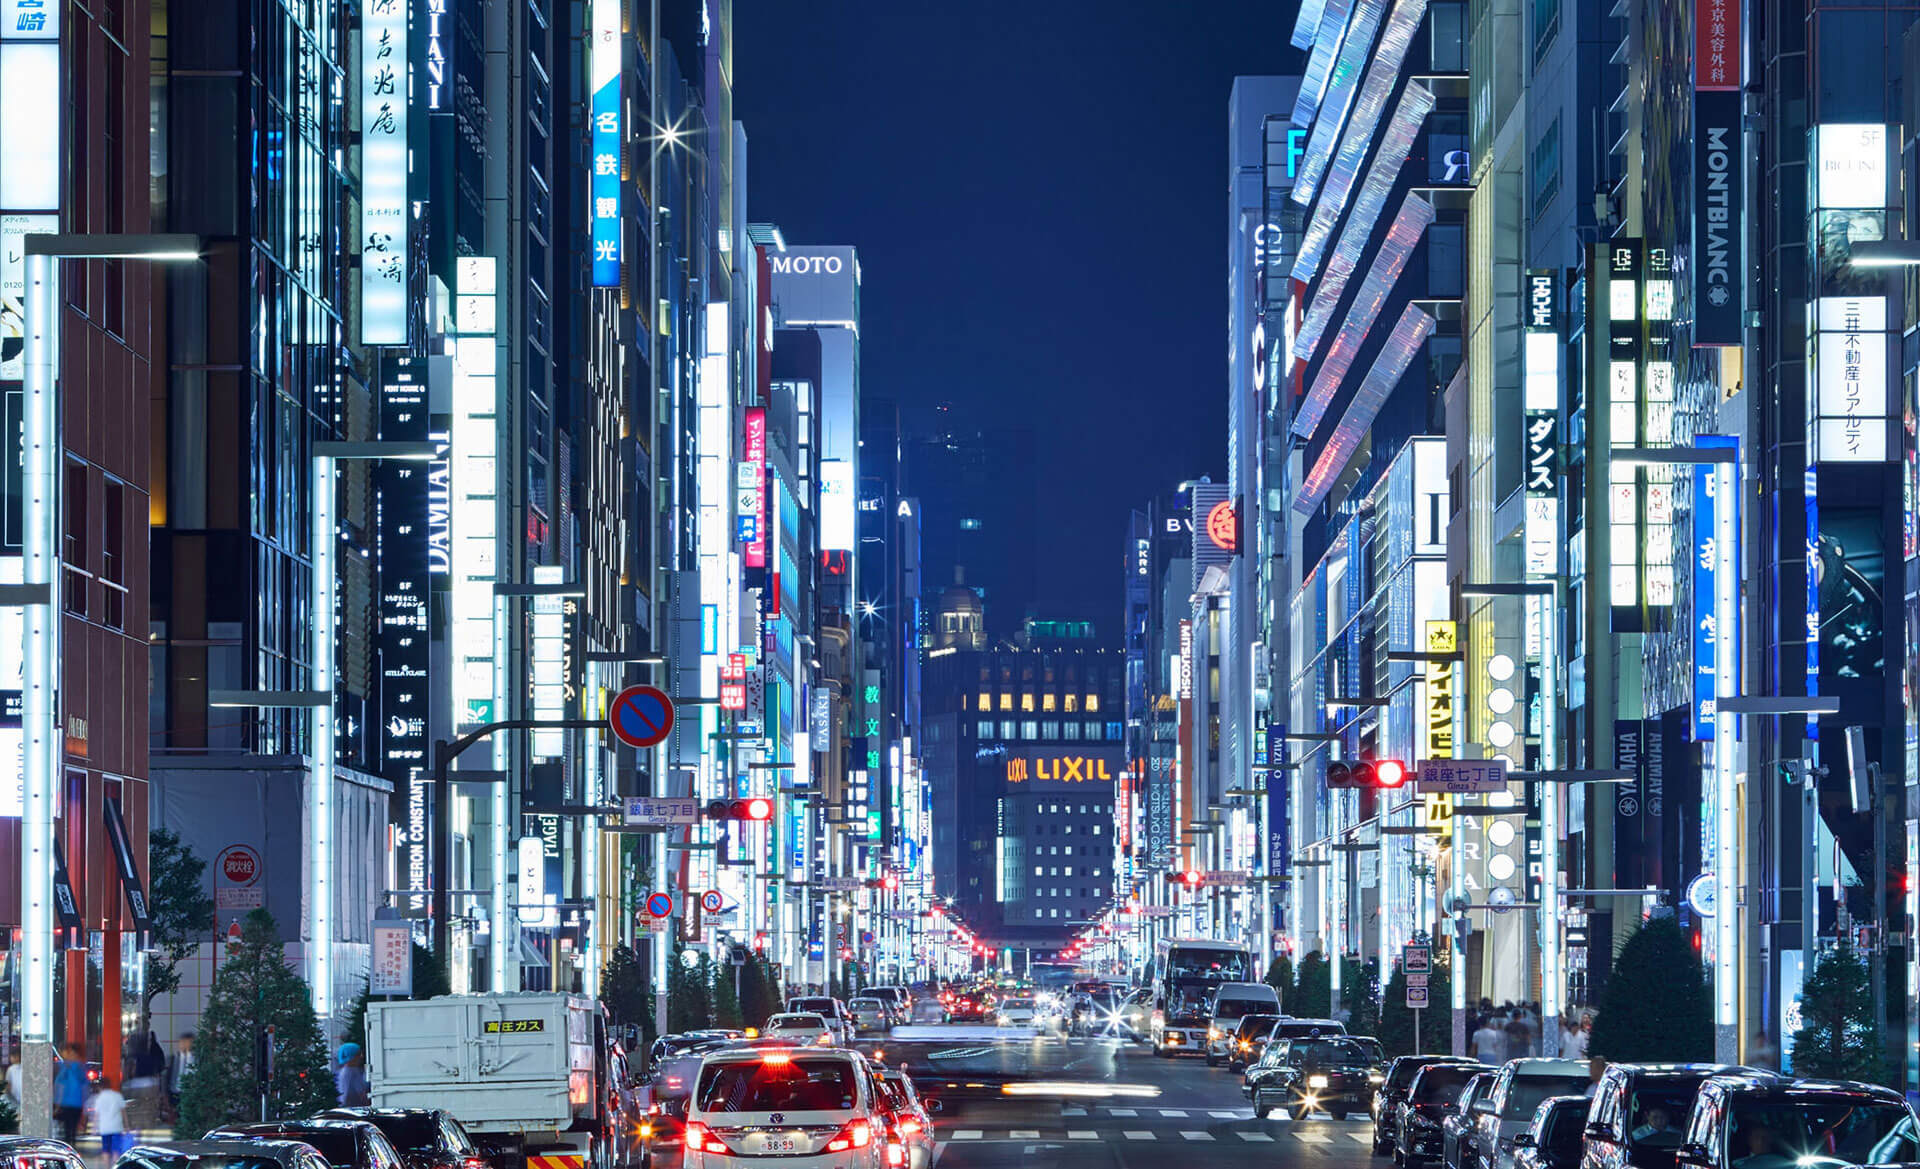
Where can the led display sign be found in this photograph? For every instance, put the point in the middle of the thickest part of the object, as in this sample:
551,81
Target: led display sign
1066,769
383,172
604,80
406,651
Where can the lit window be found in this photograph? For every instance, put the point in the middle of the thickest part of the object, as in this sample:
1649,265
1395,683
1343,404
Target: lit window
1006,728
1030,728
986,728
1047,701
1073,703
1050,728
1006,700
1026,702
1096,829
1037,872
1073,729
1093,703
1069,851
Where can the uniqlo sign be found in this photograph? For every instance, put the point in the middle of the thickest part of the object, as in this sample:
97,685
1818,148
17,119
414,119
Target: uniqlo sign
1716,44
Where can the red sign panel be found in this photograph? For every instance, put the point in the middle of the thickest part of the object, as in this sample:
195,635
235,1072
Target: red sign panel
1716,44
753,488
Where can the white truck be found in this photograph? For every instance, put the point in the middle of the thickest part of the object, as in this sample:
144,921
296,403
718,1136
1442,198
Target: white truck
534,1077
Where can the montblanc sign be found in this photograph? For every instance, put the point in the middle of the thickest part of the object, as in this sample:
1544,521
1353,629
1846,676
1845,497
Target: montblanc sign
1719,237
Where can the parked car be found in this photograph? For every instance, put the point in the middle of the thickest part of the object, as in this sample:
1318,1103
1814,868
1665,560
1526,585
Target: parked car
1249,1040
37,1153
1456,1143
1303,1074
800,1027
1391,1091
870,1014
818,1104
346,1144
907,1118
1763,1120
1553,1140
1230,1002
425,1138
831,1009
1640,1113
1518,1089
1433,1095
214,1154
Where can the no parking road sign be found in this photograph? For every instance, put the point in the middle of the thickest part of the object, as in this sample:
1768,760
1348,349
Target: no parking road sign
659,905
641,716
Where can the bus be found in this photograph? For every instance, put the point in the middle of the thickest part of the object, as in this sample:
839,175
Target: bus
1186,972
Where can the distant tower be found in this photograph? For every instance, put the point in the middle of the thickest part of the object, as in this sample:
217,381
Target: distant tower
959,616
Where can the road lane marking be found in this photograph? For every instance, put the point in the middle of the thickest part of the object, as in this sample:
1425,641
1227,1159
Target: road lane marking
966,1134
1197,1136
1256,1138
1024,1134
1362,1137
1082,1134
1313,1138
1174,1113
1137,1134
1073,1112
1225,1115
1123,1112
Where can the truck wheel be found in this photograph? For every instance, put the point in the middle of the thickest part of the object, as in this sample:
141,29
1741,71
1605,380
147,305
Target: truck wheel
1213,1061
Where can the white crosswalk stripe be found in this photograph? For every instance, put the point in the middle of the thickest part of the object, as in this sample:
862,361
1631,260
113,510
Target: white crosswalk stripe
1231,1114
1024,1134
1137,1134
966,1134
1174,1113
1073,1112
1082,1134
1122,1112
1361,1138
1313,1138
1256,1138
1197,1136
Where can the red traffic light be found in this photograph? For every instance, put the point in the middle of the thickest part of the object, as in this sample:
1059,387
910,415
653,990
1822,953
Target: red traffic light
1368,773
890,882
1390,773
759,808
1192,878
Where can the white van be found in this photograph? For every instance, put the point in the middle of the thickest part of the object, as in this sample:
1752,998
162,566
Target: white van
1230,1002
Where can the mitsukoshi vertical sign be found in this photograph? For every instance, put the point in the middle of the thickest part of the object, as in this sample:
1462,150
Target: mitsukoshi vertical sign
604,77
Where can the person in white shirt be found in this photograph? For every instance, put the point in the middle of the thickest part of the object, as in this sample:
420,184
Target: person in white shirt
14,1072
1489,1043
109,1109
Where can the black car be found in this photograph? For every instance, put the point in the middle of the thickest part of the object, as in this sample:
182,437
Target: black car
1640,1113
1303,1074
1762,1120
346,1144
1392,1091
1554,1138
1431,1098
425,1138
36,1153
1457,1148
221,1154
1249,1040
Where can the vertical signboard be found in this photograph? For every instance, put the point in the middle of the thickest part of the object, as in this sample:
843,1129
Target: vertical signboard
383,172
406,650
1719,199
1630,869
475,489
1541,401
1853,400
750,508
603,68
549,673
1706,507
1216,528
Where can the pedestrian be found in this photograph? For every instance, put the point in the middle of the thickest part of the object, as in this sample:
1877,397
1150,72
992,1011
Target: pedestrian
1763,1052
14,1072
1489,1043
109,1109
1573,1041
1518,1035
350,1082
177,1068
69,1094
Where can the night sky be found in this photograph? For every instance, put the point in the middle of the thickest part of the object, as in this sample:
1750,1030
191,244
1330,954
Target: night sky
1038,194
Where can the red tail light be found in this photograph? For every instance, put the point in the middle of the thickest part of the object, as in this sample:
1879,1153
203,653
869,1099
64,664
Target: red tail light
475,1163
896,1154
909,1125
857,1134
700,1139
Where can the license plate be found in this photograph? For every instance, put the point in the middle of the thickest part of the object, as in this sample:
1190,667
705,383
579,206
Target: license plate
780,1145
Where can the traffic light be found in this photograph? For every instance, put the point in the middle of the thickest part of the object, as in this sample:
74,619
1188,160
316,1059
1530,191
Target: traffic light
1368,773
759,808
1191,878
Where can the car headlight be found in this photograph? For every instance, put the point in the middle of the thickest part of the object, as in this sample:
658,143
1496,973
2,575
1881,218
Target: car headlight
1213,1033
1245,1046
1316,1081
1376,1078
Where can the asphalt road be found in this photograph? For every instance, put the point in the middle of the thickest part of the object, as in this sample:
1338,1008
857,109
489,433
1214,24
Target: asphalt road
1198,1118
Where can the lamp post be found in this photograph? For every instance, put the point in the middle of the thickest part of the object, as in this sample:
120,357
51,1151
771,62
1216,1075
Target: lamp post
38,596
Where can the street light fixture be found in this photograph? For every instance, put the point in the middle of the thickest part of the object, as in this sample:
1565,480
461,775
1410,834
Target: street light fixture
1885,253
41,742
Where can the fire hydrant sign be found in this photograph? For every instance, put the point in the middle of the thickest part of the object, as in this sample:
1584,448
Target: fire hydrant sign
392,966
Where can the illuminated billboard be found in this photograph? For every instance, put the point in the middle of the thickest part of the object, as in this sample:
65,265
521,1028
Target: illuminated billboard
383,173
1065,768
603,69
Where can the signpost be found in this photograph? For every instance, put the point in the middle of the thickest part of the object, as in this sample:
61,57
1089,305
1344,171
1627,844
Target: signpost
661,811
1460,776
391,969
1416,963
641,716
711,901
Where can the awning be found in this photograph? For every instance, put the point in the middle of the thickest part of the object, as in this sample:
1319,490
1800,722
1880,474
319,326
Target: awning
129,872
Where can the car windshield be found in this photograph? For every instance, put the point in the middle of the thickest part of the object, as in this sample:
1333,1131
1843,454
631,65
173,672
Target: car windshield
1213,965
1800,1133
1526,1092
1256,1024
787,1085
1441,1084
1329,1053
338,1146
409,1134
820,1006
1234,1008
795,1023
1400,1075
1659,1116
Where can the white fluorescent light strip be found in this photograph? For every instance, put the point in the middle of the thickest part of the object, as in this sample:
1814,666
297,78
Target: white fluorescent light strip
1406,231
1326,43
1339,98
1395,40
1412,331
1415,103
1307,23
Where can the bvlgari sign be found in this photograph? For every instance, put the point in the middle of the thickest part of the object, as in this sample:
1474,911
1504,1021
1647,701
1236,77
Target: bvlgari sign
1719,238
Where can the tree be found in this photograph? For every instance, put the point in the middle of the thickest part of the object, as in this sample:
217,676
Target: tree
726,1000
1655,1007
689,991
1396,1021
254,991
430,980
181,911
9,1116
1837,1038
759,991
626,986
1313,988
1280,978
1360,994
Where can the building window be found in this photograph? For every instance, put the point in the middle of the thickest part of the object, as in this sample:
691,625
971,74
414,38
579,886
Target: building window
1047,701
1026,702
1546,22
1093,704
73,541
1029,728
1006,700
1050,728
1006,728
1073,703
1096,829
1546,167
986,701
986,728
113,556
1073,729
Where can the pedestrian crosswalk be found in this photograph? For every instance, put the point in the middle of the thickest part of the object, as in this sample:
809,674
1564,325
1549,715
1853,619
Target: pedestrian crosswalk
1217,1126
1245,1136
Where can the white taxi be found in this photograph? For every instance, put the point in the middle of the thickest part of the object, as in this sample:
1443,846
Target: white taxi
811,1107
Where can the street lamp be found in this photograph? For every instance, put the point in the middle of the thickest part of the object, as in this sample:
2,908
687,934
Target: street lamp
41,746
1885,253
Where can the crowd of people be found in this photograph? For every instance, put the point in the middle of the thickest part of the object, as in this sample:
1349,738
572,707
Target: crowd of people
1512,1031
144,1090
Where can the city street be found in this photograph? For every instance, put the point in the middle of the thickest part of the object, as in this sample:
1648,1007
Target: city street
1199,1111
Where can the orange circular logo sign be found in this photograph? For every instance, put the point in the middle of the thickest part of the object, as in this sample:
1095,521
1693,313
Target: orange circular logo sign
1221,527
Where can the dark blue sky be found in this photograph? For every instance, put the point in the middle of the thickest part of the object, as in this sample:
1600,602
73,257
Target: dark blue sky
1038,193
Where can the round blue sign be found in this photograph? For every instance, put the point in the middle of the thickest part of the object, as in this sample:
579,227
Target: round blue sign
1700,894
641,716
659,905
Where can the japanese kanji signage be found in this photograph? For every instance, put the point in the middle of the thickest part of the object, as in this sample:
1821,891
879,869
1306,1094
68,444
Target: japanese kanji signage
383,172
604,69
